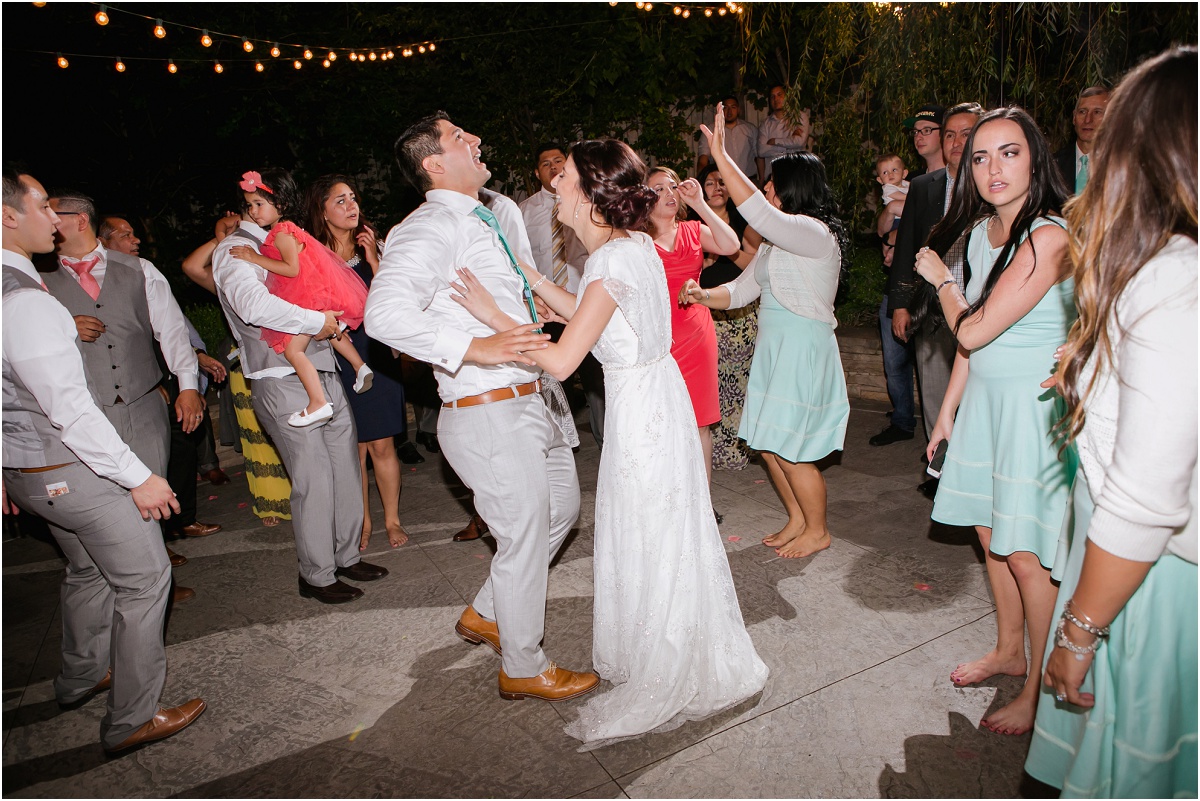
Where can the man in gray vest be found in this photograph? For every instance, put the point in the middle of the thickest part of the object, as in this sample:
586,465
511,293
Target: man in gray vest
321,459
64,462
121,307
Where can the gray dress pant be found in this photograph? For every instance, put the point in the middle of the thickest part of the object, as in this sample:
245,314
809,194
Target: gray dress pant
322,463
935,360
114,595
513,455
145,427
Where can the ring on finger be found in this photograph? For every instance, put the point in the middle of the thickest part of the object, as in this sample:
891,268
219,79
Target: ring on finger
1060,697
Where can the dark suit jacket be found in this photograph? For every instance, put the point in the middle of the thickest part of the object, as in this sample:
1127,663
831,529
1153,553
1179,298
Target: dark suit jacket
1065,160
923,209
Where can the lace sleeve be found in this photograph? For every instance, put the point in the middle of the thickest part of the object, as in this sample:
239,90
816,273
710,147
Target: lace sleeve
614,275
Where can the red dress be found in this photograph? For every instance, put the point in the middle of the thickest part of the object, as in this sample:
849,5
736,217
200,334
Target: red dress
324,282
693,336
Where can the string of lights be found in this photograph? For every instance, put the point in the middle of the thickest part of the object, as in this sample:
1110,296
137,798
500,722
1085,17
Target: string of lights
299,53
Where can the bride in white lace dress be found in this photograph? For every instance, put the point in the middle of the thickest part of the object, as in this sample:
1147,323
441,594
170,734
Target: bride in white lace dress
668,631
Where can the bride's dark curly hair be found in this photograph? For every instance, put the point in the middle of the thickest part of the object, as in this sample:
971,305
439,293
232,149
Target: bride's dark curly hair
613,178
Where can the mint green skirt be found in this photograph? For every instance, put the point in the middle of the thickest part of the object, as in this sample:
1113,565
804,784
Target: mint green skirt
1139,740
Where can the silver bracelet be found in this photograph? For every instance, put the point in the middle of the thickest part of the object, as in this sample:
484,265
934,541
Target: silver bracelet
707,295
1061,641
539,283
939,286
1089,627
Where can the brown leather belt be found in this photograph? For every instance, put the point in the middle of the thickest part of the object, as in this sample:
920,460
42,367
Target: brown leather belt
504,393
45,469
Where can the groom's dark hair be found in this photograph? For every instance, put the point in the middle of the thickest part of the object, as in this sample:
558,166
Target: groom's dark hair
422,139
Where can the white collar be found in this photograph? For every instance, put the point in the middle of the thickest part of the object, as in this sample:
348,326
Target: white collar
19,262
548,195
454,199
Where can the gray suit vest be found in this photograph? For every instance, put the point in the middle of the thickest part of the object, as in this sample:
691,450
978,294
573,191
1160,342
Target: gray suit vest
258,355
121,363
29,439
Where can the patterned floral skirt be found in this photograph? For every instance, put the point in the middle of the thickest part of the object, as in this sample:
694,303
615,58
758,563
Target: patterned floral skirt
736,331
265,474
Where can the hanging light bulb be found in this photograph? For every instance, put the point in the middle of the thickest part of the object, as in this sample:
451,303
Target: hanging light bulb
62,62
120,65
171,68
332,56
247,45
275,50
159,31
677,11
407,52
258,67
421,49
353,56
102,15
325,63
307,54
372,56
721,11
708,12
640,4
612,2
432,47
217,68
39,5
649,6
297,64
687,13
205,39
390,55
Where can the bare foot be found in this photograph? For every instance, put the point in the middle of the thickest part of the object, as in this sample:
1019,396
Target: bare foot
783,537
365,539
1014,719
992,664
397,536
805,545
270,522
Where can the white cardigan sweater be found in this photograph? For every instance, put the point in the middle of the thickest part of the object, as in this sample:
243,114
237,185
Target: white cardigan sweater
1138,443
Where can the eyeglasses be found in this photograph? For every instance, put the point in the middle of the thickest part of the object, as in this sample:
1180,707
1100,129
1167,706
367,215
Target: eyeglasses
915,132
67,213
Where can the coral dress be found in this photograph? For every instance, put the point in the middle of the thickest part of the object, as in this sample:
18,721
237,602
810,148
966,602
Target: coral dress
324,282
693,337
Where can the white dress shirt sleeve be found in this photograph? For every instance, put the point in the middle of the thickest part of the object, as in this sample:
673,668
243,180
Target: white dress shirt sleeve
411,272
40,349
250,300
170,328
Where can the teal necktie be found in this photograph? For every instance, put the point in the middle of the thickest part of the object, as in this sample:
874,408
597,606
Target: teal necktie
484,213
1081,176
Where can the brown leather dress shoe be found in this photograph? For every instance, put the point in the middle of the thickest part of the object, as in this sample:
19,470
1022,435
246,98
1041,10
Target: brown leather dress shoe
336,593
474,530
177,560
361,571
181,594
200,529
102,685
166,722
552,684
216,477
475,629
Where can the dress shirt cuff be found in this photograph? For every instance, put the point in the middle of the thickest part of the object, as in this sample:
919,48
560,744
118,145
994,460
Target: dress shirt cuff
188,381
450,348
315,322
133,476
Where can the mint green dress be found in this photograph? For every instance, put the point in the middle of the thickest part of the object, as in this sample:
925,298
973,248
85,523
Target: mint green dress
1002,466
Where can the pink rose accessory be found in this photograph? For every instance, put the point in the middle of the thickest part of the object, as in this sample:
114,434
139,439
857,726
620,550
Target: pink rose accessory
252,182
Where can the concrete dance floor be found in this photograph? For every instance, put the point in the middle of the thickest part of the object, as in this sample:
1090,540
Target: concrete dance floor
380,698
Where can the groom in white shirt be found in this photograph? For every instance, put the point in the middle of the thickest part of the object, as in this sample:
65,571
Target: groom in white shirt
494,427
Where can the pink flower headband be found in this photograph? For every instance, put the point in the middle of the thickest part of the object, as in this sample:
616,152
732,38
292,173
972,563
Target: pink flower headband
252,182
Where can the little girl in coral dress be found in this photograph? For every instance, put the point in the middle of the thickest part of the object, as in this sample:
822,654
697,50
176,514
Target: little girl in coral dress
308,274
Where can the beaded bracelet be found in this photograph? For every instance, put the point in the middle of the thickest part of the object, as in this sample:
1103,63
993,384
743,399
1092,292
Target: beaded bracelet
536,285
1098,631
1061,641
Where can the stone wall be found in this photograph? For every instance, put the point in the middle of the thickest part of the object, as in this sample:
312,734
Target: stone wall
862,361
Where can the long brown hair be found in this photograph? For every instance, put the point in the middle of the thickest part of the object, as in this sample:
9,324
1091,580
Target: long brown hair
318,193
1140,193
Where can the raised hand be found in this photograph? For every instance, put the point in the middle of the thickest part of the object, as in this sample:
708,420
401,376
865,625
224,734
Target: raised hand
369,243
716,135
931,267
691,192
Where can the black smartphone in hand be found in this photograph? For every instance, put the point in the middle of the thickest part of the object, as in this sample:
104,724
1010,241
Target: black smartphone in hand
939,457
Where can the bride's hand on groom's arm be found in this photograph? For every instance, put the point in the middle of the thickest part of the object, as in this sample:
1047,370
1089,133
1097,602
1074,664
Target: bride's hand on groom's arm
475,298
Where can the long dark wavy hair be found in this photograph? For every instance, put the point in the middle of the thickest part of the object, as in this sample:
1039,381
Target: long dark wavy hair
613,178
315,200
1047,193
1140,193
802,188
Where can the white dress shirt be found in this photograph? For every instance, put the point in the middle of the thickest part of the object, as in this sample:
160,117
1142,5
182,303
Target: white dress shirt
741,143
537,209
39,348
243,285
409,305
166,318
786,141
